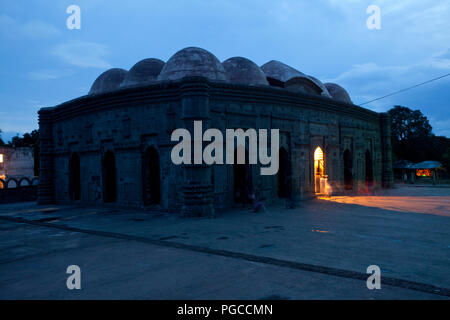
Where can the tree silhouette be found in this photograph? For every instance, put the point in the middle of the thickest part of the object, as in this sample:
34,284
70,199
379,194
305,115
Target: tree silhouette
30,140
413,139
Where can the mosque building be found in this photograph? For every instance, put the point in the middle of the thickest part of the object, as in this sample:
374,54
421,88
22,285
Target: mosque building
114,144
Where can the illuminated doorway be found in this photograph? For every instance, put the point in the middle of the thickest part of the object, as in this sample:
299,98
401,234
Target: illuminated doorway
319,169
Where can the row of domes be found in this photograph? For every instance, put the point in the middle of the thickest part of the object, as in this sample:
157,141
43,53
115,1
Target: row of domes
199,62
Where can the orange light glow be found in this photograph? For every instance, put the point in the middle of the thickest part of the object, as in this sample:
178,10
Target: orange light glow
320,231
3,177
325,186
436,205
321,179
318,154
424,173
1,157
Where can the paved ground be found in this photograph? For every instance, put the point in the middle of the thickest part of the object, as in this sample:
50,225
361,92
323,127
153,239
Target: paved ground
318,251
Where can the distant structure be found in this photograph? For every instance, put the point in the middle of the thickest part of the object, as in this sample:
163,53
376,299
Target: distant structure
17,180
16,167
16,162
114,146
425,171
403,170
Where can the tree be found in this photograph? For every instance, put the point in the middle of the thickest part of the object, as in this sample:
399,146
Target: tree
408,124
446,158
411,131
2,143
27,140
413,139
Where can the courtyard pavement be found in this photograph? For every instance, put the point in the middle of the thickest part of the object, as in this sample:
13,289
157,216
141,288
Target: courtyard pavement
319,250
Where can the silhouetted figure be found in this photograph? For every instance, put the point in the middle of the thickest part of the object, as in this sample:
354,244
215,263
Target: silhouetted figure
258,205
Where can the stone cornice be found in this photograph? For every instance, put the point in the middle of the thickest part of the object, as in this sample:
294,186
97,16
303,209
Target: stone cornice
165,92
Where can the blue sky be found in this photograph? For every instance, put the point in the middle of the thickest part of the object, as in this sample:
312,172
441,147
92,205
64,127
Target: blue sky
43,63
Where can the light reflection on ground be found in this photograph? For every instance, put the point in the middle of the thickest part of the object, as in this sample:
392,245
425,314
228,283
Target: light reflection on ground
437,205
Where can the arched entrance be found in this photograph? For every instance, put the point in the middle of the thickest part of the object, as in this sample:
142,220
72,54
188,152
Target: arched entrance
109,177
74,177
151,177
369,169
283,174
242,176
348,167
319,168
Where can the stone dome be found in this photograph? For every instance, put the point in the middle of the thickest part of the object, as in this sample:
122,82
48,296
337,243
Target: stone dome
243,70
303,84
193,62
280,71
109,80
319,83
338,93
144,72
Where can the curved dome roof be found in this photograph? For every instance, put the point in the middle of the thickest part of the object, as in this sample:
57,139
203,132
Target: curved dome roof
338,93
280,71
243,70
303,84
109,80
143,72
321,86
193,62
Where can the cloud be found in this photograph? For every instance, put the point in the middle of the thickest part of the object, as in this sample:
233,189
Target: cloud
18,123
82,54
6,20
443,55
428,18
441,127
369,81
371,72
372,79
6,24
441,60
47,74
33,29
411,17
39,29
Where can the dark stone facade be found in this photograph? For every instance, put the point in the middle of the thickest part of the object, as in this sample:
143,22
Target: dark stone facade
129,121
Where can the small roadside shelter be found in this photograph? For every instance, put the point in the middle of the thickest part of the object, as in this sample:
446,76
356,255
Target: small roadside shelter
427,170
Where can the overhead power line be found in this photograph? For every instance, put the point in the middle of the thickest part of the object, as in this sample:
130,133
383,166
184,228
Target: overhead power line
409,88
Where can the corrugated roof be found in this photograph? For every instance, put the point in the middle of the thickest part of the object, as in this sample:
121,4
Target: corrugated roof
427,165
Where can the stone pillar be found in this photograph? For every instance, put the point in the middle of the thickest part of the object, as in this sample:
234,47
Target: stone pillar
387,175
46,188
198,190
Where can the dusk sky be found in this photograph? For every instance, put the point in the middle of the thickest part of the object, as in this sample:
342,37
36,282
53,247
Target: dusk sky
44,64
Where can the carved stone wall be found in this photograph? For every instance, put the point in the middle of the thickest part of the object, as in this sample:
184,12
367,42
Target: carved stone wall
128,121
